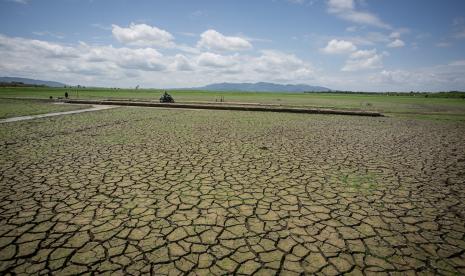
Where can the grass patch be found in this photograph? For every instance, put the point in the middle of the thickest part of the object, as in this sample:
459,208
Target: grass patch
13,108
412,104
433,117
361,183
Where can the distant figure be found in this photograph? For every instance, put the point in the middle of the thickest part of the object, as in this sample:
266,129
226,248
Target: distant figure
66,95
166,98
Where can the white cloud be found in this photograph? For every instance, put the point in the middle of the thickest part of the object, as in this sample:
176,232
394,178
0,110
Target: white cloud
397,76
362,54
213,40
352,29
336,6
270,65
368,39
397,43
364,18
252,39
114,66
36,47
182,63
346,10
143,35
146,59
214,60
271,60
436,78
460,62
107,65
335,46
395,35
19,1
279,66
363,60
187,49
56,59
303,2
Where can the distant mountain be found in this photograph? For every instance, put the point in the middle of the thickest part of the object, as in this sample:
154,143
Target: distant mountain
262,87
33,82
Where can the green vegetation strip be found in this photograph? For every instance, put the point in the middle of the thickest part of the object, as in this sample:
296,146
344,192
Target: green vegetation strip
232,107
53,114
431,106
18,107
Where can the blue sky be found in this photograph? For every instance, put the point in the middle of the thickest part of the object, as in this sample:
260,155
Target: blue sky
365,45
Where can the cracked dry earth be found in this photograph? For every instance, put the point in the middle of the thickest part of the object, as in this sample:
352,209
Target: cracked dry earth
139,191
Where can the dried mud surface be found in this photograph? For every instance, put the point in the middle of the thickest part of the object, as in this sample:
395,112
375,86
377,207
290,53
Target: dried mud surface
139,191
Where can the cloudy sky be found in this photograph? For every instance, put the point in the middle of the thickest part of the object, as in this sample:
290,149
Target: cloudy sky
365,45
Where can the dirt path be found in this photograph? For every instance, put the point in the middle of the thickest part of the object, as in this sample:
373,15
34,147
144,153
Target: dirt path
30,117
